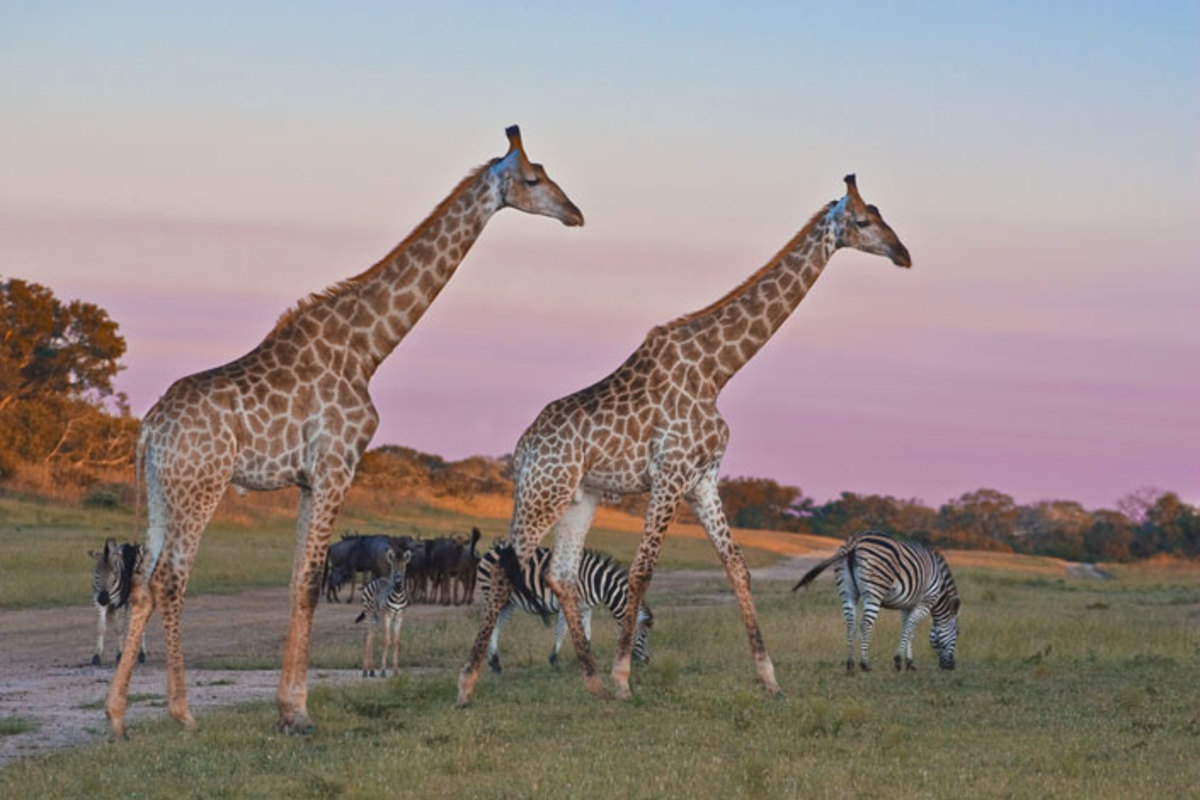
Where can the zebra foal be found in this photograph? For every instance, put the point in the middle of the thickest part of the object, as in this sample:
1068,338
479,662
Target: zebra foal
601,582
115,570
384,600
883,572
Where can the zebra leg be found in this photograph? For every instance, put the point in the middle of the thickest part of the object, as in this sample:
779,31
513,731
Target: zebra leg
101,627
560,633
909,622
850,612
368,669
493,652
870,611
705,501
397,624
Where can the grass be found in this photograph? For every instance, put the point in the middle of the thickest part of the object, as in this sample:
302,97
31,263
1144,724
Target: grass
255,548
11,726
1065,688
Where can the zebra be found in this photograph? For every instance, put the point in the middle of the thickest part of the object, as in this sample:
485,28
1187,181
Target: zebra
384,600
601,582
882,571
116,568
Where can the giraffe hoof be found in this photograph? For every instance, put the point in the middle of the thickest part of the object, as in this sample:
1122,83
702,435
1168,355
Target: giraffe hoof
623,693
774,692
301,726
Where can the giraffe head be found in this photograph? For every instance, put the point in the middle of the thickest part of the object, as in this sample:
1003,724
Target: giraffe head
526,186
861,226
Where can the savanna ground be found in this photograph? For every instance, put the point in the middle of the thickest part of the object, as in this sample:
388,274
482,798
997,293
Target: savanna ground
1067,686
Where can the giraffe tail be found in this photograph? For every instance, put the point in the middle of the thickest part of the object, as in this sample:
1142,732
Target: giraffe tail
513,570
819,568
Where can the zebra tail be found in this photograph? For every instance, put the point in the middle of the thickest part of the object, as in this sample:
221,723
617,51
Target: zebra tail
512,570
818,569
361,616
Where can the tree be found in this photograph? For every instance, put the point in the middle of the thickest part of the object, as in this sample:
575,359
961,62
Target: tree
762,503
984,518
57,364
48,348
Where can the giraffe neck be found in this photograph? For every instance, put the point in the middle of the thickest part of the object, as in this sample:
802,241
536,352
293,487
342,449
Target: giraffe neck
729,332
368,315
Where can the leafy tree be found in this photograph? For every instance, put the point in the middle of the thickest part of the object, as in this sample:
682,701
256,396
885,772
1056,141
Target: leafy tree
852,512
57,364
762,503
51,348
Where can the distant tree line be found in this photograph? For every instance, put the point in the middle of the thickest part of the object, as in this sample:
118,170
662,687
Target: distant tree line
1146,522
59,414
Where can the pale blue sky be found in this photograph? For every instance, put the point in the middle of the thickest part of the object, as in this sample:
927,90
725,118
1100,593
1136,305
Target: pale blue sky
197,169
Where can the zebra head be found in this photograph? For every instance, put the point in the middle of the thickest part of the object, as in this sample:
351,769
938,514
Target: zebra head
944,633
106,575
641,647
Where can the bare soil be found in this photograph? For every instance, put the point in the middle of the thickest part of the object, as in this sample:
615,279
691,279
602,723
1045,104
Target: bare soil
46,674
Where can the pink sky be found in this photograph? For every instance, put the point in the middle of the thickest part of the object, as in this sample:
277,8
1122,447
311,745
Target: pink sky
196,180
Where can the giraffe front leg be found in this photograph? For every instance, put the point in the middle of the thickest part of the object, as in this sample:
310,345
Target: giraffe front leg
567,592
705,501
664,502
318,510
501,591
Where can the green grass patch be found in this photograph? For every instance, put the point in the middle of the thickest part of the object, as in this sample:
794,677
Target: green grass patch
1054,697
10,726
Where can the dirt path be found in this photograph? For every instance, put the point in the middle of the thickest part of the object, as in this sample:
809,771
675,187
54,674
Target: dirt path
46,673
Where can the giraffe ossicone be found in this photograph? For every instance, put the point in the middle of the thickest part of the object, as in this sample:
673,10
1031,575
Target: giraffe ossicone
296,411
653,426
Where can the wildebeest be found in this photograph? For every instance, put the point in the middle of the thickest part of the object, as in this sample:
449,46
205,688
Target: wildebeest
355,554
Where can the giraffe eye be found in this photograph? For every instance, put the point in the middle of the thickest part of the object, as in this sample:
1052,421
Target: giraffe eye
530,181
862,223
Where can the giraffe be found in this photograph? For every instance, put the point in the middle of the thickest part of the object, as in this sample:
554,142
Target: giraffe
653,426
296,411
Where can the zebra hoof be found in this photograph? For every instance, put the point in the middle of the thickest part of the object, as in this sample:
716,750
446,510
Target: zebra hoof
554,658
141,658
494,663
864,666
896,663
96,660
850,668
383,673
909,666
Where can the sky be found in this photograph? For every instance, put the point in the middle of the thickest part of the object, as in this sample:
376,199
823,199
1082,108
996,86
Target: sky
196,169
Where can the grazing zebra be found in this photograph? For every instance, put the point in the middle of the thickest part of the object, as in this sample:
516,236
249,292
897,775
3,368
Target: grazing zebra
601,582
112,580
885,572
384,600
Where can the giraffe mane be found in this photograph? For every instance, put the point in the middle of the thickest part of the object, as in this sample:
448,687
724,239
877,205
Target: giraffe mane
745,285
349,284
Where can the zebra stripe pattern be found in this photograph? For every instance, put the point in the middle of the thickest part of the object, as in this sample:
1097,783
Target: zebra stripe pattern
880,571
601,582
384,600
112,581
